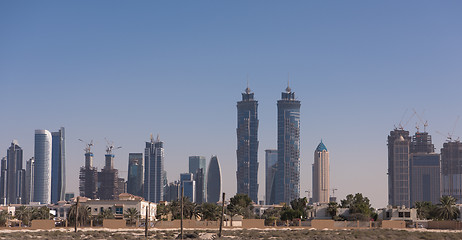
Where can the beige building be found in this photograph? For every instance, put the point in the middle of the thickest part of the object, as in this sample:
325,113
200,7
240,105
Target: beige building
321,175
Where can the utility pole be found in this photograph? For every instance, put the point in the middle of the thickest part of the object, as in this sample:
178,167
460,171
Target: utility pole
147,220
77,212
182,208
222,213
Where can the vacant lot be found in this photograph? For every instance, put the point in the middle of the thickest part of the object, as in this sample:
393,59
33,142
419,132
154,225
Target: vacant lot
233,234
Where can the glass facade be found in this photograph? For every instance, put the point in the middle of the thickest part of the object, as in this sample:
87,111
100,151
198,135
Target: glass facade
42,168
14,195
213,180
271,159
154,175
58,171
197,166
135,174
247,146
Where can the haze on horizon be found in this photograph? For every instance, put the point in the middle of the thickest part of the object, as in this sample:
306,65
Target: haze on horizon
123,70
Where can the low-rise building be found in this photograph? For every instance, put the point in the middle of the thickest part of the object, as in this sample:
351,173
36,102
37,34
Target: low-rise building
397,213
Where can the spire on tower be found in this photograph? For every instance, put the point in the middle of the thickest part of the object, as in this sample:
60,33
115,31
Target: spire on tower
288,83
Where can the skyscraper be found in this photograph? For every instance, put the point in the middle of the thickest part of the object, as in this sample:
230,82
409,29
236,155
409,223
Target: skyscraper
321,174
29,185
135,174
247,146
108,178
288,166
197,166
58,171
42,169
451,170
189,186
398,168
213,180
14,167
271,160
88,175
3,182
154,175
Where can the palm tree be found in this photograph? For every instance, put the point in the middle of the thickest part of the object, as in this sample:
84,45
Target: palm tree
332,209
210,211
446,208
41,213
24,214
4,216
132,215
106,214
83,217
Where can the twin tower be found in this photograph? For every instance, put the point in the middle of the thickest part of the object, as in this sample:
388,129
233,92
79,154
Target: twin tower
285,177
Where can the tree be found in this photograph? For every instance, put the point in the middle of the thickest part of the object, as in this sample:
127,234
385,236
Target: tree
426,210
299,206
332,209
41,213
24,214
162,211
4,216
190,209
105,214
241,204
446,209
271,214
358,206
210,211
132,214
83,217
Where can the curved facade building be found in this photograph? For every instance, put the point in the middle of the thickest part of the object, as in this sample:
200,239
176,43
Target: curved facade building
42,168
321,174
213,180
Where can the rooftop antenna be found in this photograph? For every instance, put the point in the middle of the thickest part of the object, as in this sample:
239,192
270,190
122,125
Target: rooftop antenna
247,90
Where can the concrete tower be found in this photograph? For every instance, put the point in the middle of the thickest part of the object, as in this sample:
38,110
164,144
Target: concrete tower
321,174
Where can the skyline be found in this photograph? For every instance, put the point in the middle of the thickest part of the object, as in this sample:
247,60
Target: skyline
124,71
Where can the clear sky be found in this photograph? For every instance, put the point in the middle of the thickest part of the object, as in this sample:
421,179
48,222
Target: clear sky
125,69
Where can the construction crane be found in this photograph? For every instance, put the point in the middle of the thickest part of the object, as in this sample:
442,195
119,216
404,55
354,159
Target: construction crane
333,191
400,125
449,136
425,124
110,146
88,146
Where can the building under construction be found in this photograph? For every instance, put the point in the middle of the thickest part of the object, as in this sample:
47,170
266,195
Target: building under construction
451,170
108,180
88,176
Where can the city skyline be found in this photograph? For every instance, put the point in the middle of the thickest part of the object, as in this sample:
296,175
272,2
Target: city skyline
180,69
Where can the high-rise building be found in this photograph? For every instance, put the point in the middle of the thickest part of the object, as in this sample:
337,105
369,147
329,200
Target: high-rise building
88,177
173,191
58,170
288,166
213,180
42,168
197,165
154,174
108,178
271,160
29,185
189,186
451,170
321,174
398,168
135,174
247,145
3,181
14,167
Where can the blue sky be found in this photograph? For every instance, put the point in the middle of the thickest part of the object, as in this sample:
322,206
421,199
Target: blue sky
123,70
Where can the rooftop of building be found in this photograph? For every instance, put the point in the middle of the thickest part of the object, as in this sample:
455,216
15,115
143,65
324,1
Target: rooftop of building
321,147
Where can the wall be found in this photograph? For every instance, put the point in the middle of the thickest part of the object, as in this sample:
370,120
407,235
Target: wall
393,224
114,223
42,224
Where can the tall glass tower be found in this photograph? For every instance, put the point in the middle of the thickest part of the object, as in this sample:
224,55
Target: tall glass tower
271,160
14,185
197,166
58,171
154,176
213,180
42,168
135,174
247,146
288,167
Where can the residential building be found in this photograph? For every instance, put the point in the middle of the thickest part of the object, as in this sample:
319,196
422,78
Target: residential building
398,168
135,174
451,170
42,167
213,181
321,174
271,160
58,170
288,167
154,174
247,145
197,165
68,196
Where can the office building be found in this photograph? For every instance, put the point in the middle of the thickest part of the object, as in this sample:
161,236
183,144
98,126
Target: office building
424,178
451,170
14,167
135,174
271,160
68,196
3,181
321,174
288,166
58,170
247,145
173,191
197,165
29,184
154,174
42,167
213,181
398,168
88,177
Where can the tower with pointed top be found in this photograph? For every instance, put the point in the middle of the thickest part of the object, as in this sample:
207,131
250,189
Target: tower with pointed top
247,145
287,180
154,175
321,174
